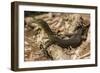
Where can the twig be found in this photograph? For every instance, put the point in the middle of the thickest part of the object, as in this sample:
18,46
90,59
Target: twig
85,55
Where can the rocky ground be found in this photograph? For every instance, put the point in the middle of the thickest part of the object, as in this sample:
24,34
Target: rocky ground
60,23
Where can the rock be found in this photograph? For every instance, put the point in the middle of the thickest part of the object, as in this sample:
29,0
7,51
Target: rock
57,53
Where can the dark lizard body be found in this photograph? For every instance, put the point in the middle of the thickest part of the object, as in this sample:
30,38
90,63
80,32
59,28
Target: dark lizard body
74,41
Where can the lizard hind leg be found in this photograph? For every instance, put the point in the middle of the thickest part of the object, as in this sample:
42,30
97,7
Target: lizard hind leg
71,49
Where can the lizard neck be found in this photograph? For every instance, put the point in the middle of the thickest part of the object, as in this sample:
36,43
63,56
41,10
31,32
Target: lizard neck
48,30
46,27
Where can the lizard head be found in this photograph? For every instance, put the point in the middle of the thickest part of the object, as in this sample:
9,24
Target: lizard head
40,22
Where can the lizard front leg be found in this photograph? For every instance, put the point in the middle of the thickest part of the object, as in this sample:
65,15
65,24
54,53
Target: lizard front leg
44,49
